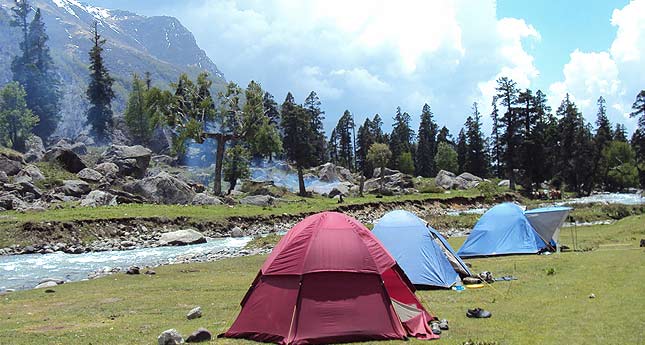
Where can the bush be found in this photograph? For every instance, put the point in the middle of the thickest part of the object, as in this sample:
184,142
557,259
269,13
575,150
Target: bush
488,190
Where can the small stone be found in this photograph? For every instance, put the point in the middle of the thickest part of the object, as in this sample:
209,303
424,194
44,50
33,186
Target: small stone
237,232
202,334
47,284
593,295
58,281
133,270
50,291
194,314
170,337
150,272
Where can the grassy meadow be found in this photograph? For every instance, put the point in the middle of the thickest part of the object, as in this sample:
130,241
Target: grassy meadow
548,304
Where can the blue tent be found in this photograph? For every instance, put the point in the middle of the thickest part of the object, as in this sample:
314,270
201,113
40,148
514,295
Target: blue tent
423,254
504,229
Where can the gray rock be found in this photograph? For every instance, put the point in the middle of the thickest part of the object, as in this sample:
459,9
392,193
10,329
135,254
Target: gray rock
329,172
237,232
90,175
98,198
66,158
164,159
466,181
35,149
79,148
445,179
133,270
181,238
131,160
205,199
107,169
47,284
163,189
195,313
12,202
3,177
58,281
504,183
258,200
10,165
388,172
170,337
398,183
31,172
200,335
75,188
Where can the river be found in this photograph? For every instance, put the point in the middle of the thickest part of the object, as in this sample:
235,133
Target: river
20,272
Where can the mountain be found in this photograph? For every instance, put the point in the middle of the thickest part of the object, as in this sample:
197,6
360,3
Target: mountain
135,44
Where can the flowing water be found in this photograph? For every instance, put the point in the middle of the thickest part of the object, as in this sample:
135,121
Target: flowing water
21,272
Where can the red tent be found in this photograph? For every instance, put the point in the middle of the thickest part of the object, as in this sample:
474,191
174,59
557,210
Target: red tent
329,280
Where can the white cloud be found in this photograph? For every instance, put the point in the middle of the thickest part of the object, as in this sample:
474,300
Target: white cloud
367,56
616,74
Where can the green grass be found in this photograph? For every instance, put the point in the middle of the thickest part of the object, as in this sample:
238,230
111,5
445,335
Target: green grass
539,308
54,175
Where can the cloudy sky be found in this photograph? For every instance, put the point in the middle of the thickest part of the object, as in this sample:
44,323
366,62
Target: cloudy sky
374,55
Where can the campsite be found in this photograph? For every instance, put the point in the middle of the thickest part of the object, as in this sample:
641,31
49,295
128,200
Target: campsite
302,172
548,303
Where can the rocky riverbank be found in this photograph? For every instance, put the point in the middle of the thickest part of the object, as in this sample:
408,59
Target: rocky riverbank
137,233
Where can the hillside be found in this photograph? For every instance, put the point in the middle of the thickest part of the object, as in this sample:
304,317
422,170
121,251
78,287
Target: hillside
159,45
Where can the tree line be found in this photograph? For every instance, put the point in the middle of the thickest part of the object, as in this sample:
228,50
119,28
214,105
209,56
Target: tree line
529,143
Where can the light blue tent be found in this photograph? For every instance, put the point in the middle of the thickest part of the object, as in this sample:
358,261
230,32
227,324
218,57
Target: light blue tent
504,229
423,254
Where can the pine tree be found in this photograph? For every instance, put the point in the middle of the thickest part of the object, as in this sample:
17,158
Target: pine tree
271,109
576,149
401,137
140,115
312,105
462,147
511,138
620,133
444,136
638,138
332,147
602,139
496,143
364,140
343,132
16,120
236,165
427,144
297,138
34,70
377,130
535,148
476,159
99,91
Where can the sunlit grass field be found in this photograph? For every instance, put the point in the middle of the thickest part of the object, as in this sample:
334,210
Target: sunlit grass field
548,304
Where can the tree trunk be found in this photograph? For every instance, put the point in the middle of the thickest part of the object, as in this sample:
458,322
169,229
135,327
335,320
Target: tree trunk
361,186
301,182
219,161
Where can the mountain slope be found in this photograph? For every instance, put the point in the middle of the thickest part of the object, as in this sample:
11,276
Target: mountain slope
135,44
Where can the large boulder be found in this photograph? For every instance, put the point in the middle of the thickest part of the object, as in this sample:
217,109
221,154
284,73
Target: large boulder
205,199
29,173
131,160
467,181
445,179
98,198
75,188
11,202
90,175
329,172
398,183
263,188
163,189
107,169
10,164
258,200
181,238
35,149
66,158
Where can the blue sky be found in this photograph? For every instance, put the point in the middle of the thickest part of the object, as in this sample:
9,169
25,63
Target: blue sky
372,56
